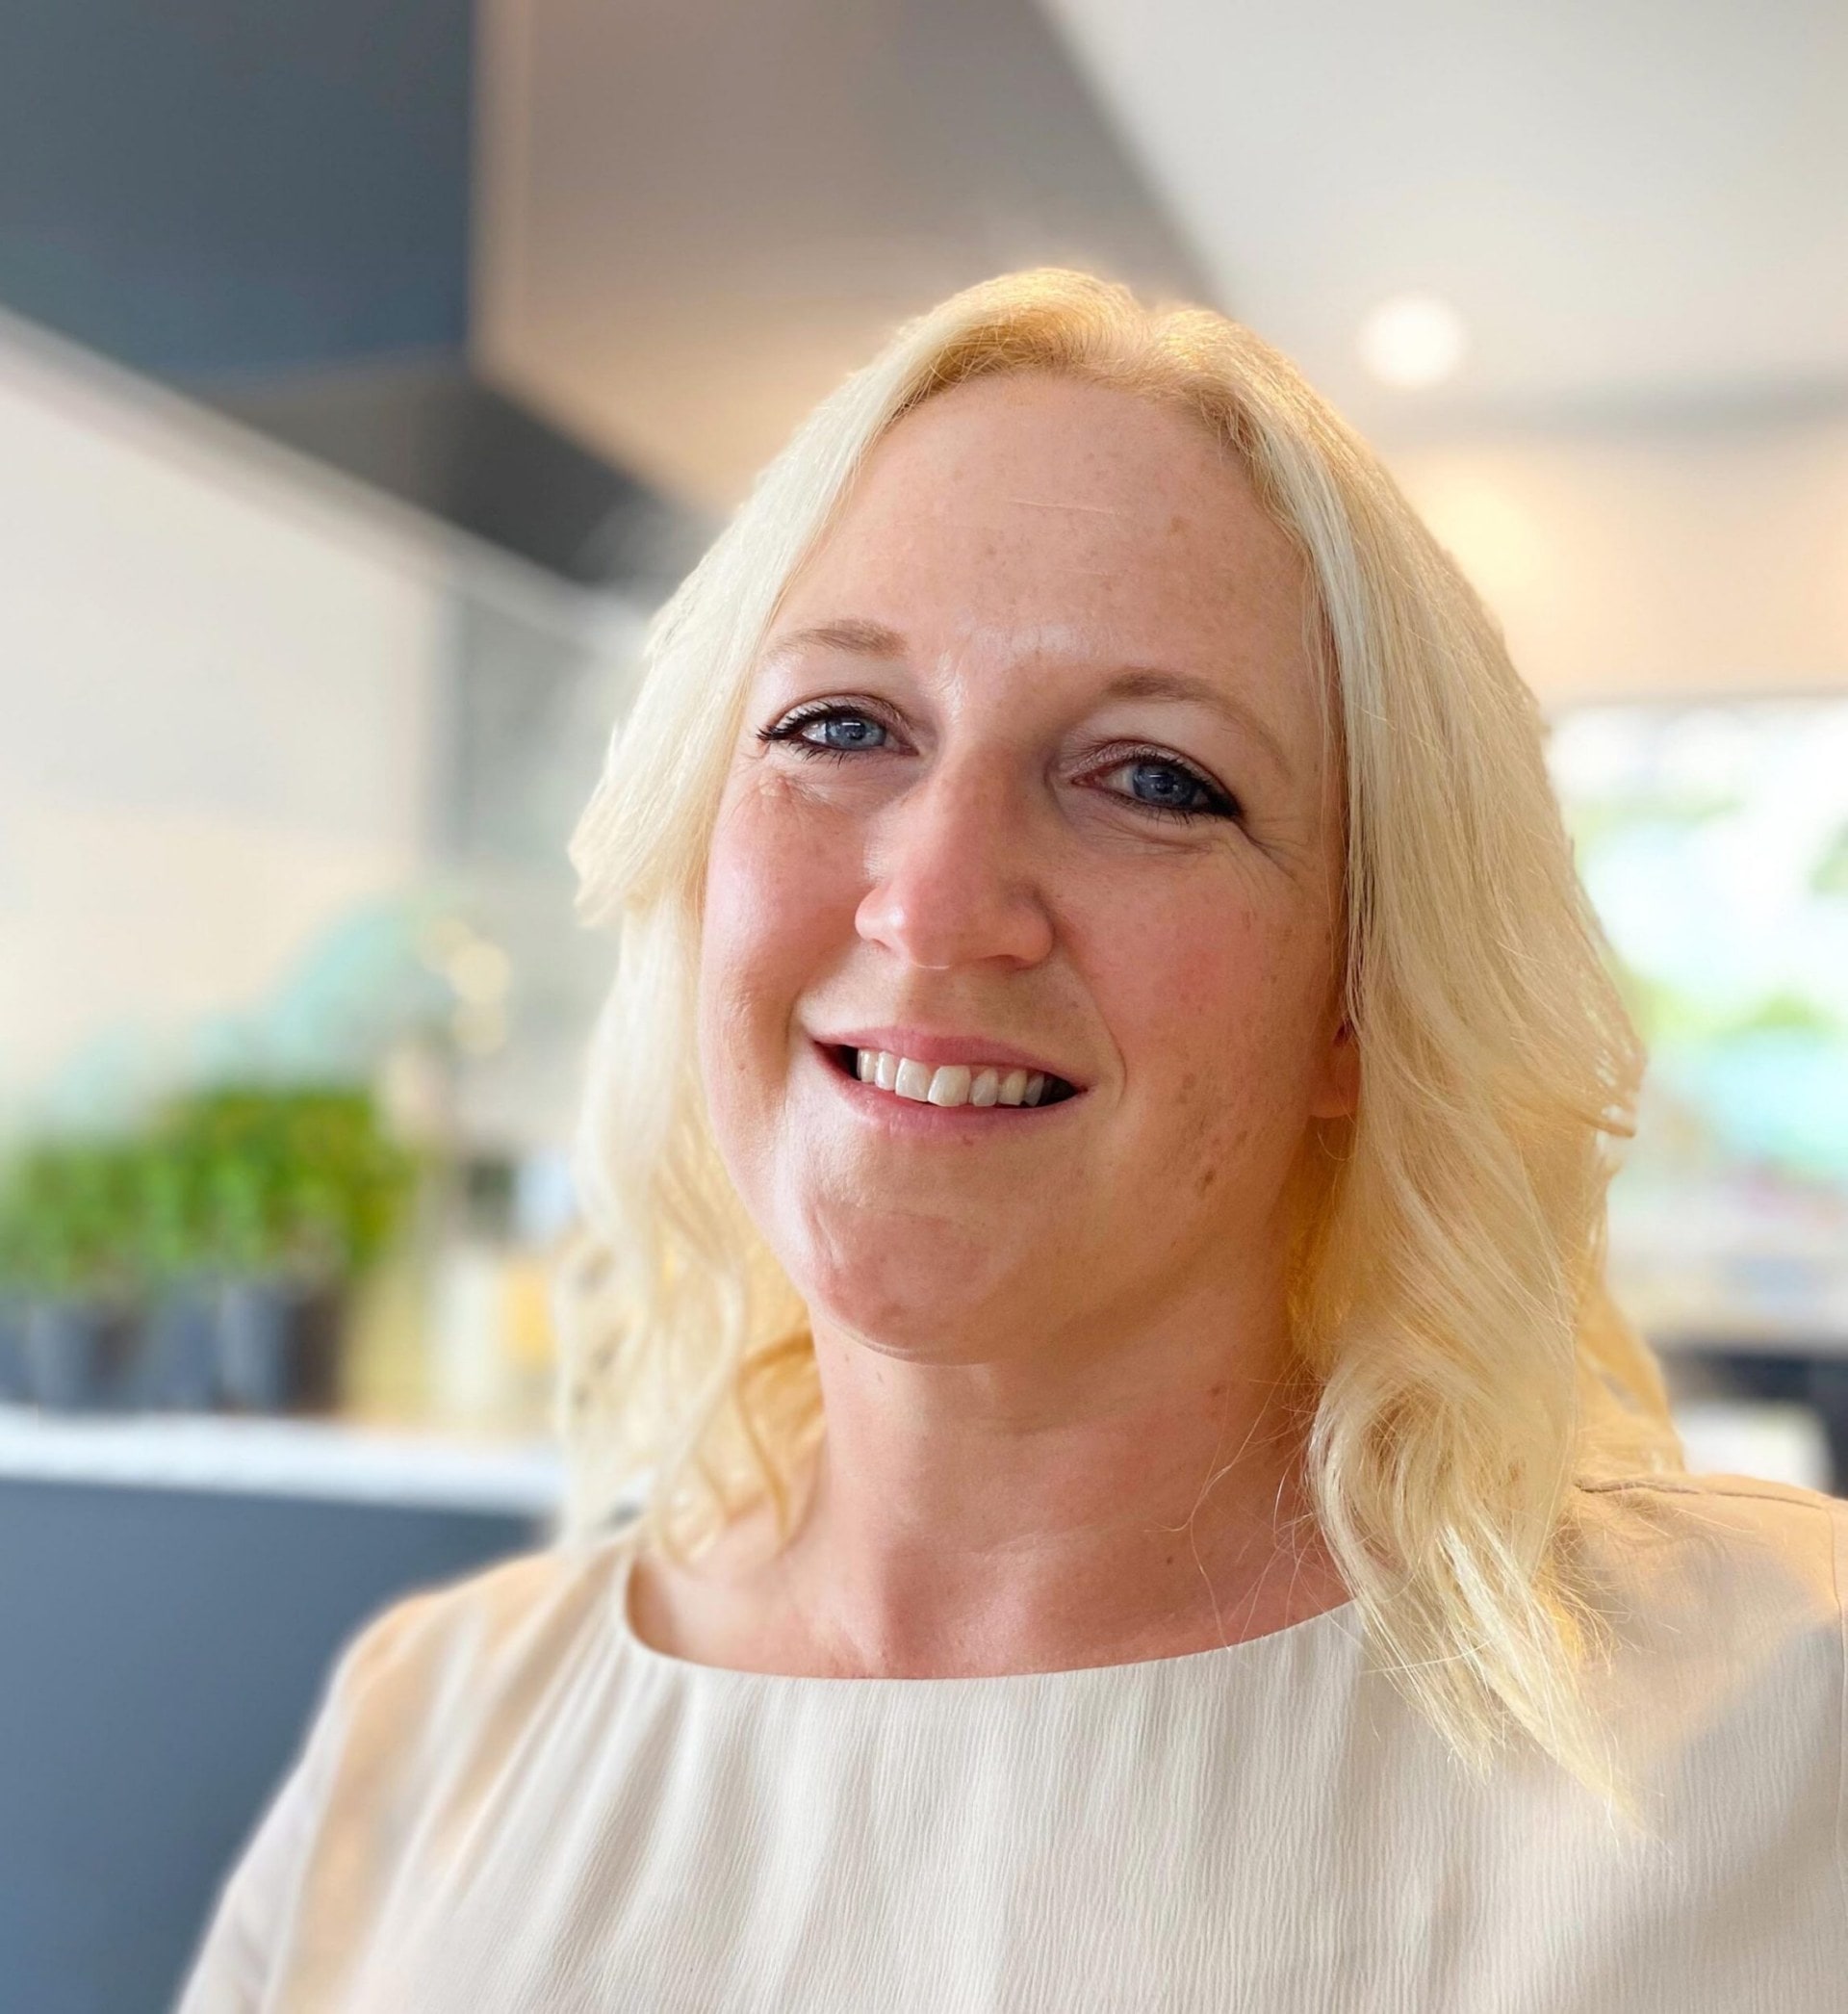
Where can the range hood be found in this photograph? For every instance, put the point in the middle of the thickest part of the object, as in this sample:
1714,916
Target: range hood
561,272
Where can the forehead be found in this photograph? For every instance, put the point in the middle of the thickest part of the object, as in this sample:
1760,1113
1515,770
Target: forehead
1033,516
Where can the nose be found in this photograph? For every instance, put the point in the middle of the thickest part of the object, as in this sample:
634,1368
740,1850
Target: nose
953,880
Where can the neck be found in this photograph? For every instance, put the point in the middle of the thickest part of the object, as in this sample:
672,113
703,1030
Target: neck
971,1518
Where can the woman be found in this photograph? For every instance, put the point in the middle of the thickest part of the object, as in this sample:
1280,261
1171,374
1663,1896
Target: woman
1097,1154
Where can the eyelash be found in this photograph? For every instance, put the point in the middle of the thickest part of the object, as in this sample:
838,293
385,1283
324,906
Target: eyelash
1221,806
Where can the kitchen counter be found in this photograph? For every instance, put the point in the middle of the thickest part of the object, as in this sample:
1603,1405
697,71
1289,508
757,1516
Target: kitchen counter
344,1460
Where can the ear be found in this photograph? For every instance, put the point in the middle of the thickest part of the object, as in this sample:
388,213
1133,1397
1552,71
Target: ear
1338,1087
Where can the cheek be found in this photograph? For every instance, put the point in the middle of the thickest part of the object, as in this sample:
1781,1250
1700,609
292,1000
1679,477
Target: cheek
770,913
1213,1004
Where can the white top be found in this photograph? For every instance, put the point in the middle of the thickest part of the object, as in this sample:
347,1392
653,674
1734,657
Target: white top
509,1804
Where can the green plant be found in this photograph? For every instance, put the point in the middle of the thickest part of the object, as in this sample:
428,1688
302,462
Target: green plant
294,1178
237,1179
65,1221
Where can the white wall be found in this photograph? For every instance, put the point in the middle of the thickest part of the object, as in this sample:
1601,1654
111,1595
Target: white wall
1706,559
217,684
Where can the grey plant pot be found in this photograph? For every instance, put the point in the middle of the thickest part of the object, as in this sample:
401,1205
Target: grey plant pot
279,1346
78,1355
14,1384
178,1369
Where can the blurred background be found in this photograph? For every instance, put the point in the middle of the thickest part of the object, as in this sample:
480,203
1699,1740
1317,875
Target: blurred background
369,373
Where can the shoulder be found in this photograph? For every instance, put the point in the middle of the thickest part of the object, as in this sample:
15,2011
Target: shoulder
1724,1599
1736,1548
497,1635
420,1688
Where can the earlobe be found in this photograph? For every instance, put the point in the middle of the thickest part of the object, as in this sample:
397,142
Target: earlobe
1341,1077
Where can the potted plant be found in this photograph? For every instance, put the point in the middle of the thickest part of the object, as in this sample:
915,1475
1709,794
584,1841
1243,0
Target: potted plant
65,1212
302,1193
204,1262
13,1385
177,1363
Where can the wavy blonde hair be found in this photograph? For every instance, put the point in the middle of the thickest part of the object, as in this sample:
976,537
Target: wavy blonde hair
1449,1296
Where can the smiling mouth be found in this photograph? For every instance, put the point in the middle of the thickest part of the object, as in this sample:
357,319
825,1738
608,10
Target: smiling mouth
845,1061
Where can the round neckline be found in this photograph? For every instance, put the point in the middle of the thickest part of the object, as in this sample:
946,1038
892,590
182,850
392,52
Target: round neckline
1223,1655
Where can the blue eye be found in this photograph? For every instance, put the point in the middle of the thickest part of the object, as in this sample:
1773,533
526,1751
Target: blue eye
860,727
1180,791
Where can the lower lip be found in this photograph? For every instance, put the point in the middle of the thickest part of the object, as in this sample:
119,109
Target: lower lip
918,1119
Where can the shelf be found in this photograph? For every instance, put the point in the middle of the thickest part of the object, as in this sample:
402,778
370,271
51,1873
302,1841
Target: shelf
336,1459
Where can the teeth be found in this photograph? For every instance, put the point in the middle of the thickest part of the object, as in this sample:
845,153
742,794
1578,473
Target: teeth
951,1084
914,1079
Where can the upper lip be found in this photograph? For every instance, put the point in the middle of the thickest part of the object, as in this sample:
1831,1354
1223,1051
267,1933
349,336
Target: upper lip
924,1046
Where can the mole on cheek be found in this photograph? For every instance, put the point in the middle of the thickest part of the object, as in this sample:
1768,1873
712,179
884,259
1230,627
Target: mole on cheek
1219,1146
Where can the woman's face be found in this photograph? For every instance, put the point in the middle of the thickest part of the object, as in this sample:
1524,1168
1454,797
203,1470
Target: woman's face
1050,620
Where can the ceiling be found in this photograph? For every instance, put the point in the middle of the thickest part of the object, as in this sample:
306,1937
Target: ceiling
695,217
1639,207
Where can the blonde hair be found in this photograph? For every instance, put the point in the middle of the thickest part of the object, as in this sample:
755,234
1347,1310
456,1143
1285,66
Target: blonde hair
1449,1296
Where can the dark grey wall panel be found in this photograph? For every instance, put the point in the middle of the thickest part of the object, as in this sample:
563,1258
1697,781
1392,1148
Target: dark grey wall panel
160,1652
229,186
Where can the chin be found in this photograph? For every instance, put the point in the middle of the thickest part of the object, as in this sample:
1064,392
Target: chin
920,1309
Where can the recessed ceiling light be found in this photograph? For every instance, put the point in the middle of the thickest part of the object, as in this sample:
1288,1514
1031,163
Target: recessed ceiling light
1413,340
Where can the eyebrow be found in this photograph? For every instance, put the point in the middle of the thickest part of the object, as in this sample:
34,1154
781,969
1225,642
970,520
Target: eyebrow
852,635
858,638
1141,682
